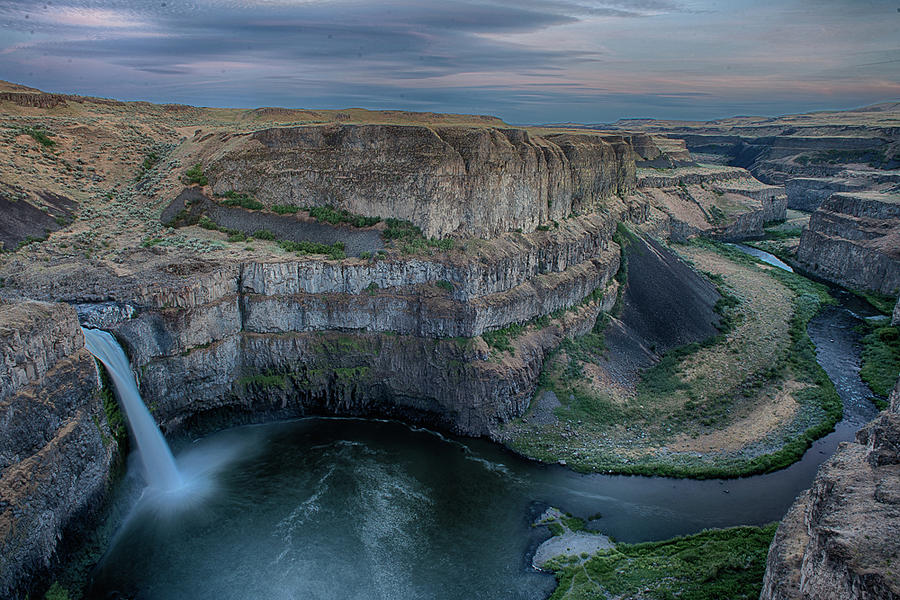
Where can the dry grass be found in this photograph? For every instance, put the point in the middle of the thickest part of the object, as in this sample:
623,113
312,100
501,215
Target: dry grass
718,407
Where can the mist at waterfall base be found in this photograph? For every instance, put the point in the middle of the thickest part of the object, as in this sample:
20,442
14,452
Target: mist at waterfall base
170,485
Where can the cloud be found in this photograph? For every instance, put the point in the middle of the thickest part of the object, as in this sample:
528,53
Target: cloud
539,60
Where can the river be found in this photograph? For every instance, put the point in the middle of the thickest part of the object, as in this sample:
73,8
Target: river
343,508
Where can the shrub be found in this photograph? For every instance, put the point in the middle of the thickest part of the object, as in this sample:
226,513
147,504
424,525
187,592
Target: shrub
285,209
334,251
40,137
207,223
247,201
337,216
445,285
264,234
195,175
410,239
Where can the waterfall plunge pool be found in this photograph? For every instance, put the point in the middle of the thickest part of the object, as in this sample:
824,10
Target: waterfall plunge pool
352,509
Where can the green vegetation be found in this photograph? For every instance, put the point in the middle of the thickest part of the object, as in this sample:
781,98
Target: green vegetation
150,161
56,592
233,198
41,137
783,234
445,285
285,209
113,412
267,379
761,352
197,347
195,175
573,523
500,339
30,240
264,234
334,251
881,302
881,359
150,242
874,157
717,215
409,238
556,528
712,565
338,216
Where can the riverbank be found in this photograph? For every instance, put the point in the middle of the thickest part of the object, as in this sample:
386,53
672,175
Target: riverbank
716,564
749,400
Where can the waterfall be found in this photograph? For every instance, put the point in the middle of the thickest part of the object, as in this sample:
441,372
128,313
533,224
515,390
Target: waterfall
159,465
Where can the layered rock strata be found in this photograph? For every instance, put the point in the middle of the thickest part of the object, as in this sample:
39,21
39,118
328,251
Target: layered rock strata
839,539
854,240
723,202
367,337
446,180
55,445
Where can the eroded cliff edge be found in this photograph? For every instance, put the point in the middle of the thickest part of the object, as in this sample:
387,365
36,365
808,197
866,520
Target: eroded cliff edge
840,538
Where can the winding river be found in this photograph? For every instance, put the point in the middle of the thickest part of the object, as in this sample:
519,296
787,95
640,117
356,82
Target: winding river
352,509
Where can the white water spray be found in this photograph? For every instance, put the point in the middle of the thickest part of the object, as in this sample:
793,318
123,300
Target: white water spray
159,465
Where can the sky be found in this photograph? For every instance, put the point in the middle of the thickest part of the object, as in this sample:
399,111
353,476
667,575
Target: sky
527,61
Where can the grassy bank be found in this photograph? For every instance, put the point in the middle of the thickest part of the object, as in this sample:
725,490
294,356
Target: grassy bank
880,360
712,565
750,400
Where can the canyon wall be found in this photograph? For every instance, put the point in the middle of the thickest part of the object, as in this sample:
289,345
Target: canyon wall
55,445
839,539
853,239
366,337
726,203
447,180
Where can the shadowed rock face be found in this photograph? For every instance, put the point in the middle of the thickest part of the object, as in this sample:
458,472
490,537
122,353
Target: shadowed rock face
472,181
55,445
854,240
666,304
22,220
839,540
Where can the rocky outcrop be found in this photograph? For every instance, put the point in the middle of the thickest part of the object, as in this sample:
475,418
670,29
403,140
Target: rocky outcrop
808,193
854,240
55,446
723,202
895,318
392,350
839,539
209,335
446,180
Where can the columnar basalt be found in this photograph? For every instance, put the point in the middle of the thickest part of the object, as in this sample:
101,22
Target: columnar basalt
55,445
446,180
854,240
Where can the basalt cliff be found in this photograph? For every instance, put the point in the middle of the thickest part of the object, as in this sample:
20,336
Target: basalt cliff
843,167
839,539
266,264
